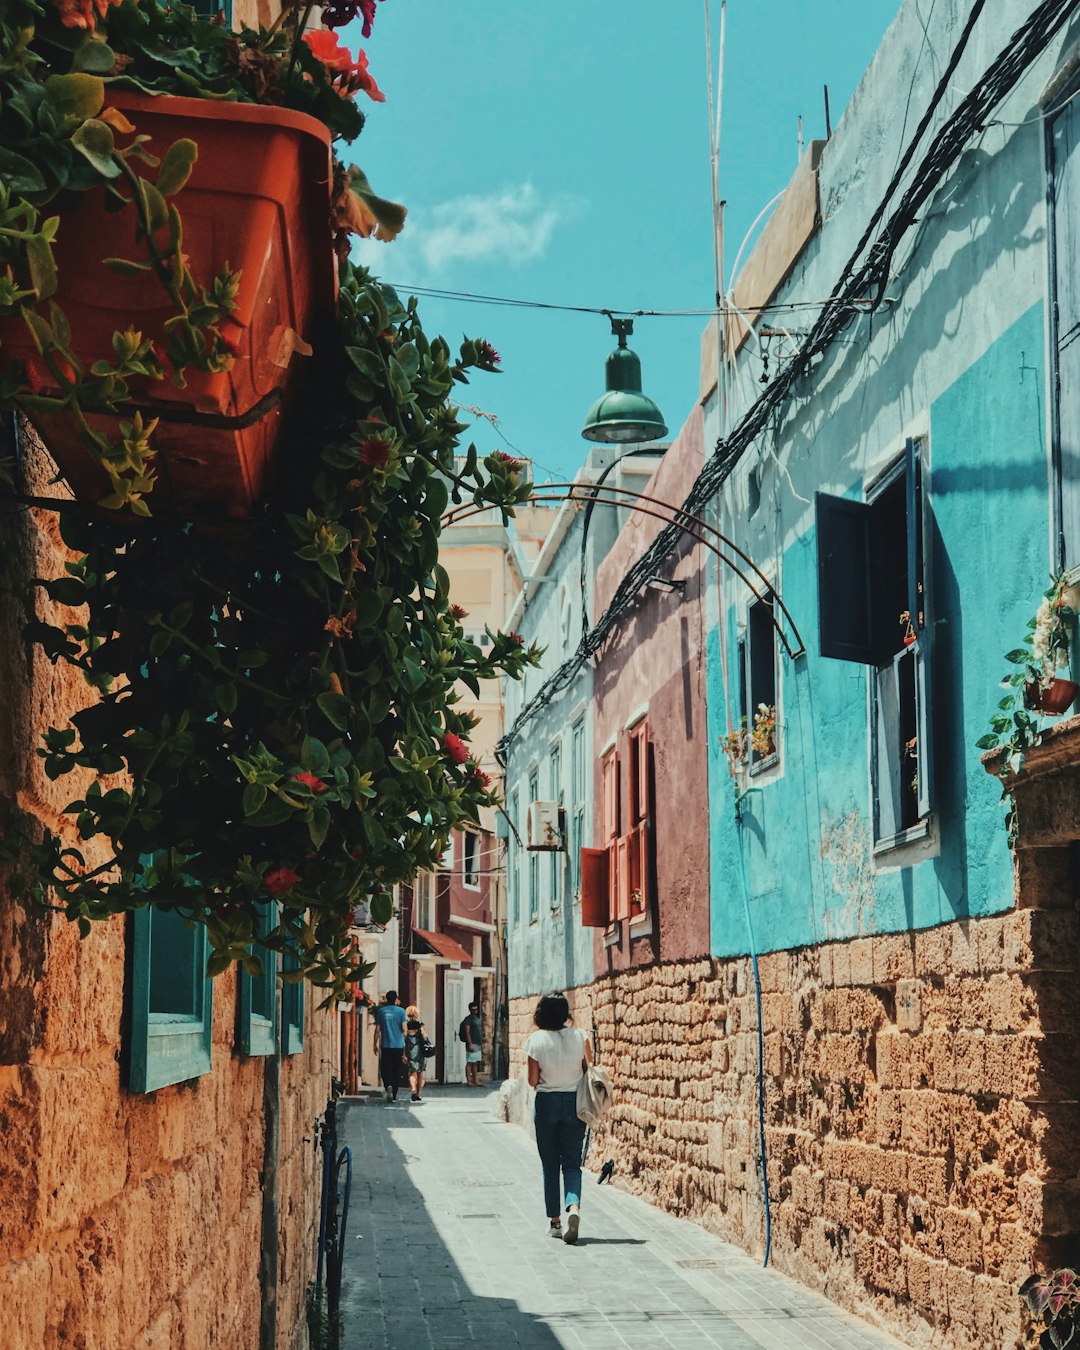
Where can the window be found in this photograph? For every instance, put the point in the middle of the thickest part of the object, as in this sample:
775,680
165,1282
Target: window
534,858
446,862
257,997
171,1001
424,901
555,860
612,820
636,870
874,602
577,805
292,1014
470,859
757,674
210,9
515,860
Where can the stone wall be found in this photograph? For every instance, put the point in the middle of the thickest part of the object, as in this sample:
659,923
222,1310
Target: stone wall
920,1108
125,1219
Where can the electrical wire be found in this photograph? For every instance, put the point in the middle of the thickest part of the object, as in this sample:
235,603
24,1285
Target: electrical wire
856,278
471,297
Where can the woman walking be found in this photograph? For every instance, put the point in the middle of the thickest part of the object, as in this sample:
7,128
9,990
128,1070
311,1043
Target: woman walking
415,1040
558,1056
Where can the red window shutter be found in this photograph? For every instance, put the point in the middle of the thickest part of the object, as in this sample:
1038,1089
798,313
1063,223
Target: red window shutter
595,907
641,752
640,871
622,868
610,788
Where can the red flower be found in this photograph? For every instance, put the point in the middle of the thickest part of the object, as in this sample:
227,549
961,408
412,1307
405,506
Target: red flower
349,74
455,747
488,358
39,376
81,13
281,880
374,453
516,638
458,612
310,780
482,778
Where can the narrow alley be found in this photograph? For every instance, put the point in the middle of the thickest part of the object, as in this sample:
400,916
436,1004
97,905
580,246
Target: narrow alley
447,1249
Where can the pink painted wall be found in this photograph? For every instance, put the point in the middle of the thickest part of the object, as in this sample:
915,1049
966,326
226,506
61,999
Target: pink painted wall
657,659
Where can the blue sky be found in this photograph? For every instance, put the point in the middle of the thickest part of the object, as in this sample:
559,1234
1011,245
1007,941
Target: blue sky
559,153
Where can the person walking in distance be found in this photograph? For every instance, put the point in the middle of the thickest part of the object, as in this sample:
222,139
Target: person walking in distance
415,1042
471,1032
390,1022
558,1057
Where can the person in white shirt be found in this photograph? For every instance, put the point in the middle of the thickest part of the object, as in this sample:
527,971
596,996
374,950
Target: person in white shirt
558,1056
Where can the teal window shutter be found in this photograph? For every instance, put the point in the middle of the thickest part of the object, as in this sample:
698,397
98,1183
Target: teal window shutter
171,1008
292,1014
210,9
257,998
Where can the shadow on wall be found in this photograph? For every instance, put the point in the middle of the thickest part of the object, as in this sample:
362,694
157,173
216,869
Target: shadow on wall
401,1285
979,215
23,934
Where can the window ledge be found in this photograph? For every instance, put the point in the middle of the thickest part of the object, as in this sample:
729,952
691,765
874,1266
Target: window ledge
914,834
764,765
641,925
613,935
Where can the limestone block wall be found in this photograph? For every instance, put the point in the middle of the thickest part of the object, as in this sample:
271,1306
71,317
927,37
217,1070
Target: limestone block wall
921,1113
125,1219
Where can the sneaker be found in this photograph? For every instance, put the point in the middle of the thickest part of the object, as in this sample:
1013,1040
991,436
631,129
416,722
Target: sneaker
389,1095
415,1097
573,1223
555,1230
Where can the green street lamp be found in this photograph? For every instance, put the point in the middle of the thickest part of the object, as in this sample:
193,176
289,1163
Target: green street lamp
623,414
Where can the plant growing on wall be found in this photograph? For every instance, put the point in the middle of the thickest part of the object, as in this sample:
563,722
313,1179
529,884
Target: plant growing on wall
280,695
1054,1303
276,715
1033,686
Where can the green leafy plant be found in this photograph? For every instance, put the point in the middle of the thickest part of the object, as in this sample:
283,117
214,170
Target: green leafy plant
280,697
1054,1302
1016,726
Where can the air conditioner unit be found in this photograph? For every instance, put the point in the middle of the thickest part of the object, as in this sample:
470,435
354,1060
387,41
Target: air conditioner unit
545,827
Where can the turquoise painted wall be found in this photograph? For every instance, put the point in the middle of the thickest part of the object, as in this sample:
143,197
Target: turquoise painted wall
804,844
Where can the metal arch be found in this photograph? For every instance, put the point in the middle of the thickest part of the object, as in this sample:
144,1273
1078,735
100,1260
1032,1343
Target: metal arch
583,492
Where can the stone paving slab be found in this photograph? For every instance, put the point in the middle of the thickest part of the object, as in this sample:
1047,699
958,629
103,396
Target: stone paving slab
447,1249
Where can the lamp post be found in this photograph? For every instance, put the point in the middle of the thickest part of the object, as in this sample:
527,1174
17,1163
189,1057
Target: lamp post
623,414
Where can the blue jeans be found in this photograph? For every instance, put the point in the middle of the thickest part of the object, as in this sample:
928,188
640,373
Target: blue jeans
559,1137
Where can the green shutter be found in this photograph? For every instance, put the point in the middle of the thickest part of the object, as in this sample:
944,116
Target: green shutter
171,1001
292,1014
257,999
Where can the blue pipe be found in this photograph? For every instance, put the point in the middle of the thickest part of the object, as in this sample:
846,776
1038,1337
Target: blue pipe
760,1038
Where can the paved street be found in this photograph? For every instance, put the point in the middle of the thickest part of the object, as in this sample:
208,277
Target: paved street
447,1249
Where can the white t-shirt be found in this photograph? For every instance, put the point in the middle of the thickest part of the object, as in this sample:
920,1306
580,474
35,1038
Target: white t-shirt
559,1054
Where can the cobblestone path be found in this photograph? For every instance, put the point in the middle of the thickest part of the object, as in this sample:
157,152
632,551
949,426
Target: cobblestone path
447,1250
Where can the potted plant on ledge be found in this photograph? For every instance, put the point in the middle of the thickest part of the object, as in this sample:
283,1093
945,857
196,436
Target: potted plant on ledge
167,213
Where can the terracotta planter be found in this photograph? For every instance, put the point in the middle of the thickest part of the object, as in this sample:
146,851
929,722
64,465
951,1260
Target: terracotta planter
257,200
1054,698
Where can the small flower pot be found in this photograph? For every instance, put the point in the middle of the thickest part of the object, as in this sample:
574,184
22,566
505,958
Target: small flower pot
258,201
1054,698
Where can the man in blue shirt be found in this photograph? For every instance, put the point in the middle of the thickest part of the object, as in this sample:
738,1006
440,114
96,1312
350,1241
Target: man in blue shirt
390,1042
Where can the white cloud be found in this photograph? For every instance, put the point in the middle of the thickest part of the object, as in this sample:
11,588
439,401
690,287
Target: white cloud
513,225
